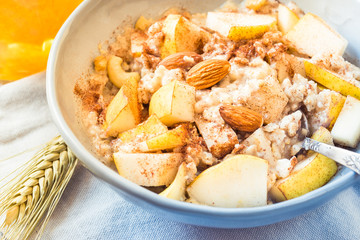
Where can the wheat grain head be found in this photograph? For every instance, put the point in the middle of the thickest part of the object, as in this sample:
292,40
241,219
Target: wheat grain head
30,197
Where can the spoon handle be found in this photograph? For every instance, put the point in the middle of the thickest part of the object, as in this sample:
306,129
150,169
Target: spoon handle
344,157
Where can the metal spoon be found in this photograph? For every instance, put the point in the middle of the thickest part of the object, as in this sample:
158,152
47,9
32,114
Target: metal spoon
342,156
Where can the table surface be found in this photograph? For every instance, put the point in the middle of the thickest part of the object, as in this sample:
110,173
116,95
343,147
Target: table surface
89,209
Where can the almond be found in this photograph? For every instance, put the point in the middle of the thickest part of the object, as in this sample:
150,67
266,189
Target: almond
207,73
241,118
184,60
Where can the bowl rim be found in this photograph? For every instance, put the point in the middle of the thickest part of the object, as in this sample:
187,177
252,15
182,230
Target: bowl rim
103,172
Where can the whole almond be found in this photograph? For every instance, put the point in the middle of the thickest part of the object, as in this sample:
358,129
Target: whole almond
184,60
207,73
241,118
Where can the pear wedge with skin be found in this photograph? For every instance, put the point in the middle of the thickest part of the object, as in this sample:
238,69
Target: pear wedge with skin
148,169
177,188
143,23
309,174
327,110
346,130
149,128
181,35
240,26
312,35
287,19
173,103
171,139
239,181
331,80
119,114
255,4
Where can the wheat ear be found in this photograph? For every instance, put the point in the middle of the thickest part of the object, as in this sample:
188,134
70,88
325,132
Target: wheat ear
30,197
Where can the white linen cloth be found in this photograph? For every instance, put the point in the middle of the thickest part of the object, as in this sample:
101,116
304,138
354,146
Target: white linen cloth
89,209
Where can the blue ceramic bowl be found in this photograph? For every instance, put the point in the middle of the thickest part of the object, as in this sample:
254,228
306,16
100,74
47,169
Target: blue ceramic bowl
76,44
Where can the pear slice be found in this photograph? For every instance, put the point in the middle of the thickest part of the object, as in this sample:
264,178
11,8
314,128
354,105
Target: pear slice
173,103
181,35
311,35
323,135
149,128
331,80
238,26
327,110
309,174
336,104
346,130
143,23
287,19
239,181
148,169
123,112
168,140
255,4
119,115
177,188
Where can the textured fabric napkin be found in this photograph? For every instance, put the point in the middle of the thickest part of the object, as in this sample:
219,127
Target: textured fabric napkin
89,209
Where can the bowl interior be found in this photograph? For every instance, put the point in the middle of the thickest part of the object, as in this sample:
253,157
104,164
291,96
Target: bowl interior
94,22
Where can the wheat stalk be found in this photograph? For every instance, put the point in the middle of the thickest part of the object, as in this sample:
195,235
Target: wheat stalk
30,197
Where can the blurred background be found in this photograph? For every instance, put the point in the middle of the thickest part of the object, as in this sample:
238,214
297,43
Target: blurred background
27,28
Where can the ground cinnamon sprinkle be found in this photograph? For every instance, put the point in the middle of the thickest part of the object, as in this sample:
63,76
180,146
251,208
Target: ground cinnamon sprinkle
266,76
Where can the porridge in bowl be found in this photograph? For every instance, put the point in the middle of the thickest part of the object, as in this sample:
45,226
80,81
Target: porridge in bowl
209,108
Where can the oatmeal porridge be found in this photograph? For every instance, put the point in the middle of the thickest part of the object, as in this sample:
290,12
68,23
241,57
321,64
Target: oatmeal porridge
210,107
